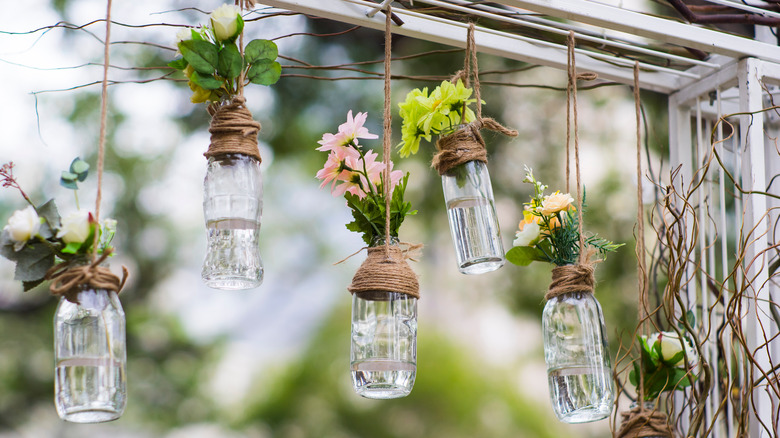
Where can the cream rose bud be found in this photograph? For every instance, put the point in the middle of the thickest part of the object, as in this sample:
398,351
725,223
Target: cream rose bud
671,345
75,227
554,203
23,225
528,234
224,21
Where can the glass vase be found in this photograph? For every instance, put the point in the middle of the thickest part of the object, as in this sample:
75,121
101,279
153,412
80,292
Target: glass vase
90,356
232,206
468,195
383,354
578,365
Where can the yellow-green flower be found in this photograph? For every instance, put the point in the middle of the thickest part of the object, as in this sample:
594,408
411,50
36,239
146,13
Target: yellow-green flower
411,111
199,94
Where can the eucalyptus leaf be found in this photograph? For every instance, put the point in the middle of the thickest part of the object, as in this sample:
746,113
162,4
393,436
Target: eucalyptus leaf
207,82
260,49
7,247
264,72
230,62
67,182
80,168
51,216
201,55
178,64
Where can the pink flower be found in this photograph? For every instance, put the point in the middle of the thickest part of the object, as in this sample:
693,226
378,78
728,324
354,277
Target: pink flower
334,171
348,133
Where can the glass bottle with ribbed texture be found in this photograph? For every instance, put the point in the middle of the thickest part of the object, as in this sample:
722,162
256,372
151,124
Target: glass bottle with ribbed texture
383,352
90,357
232,207
578,365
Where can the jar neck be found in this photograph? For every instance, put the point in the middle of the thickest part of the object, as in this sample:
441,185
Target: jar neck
451,129
380,241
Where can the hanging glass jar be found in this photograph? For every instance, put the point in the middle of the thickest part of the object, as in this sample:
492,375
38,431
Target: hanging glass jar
90,357
578,365
471,211
232,206
383,354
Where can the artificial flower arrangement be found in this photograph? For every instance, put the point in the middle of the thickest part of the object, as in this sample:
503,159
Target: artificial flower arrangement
667,363
549,231
354,172
36,238
427,114
214,65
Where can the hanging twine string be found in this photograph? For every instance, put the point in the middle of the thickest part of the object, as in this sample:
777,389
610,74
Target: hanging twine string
640,422
571,102
640,228
385,268
233,130
388,123
66,279
467,144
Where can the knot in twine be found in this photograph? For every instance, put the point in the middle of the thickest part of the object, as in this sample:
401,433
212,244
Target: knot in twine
465,144
571,279
68,280
641,423
384,270
233,130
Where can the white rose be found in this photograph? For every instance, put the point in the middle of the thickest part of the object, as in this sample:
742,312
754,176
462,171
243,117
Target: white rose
23,225
671,345
224,21
527,235
75,227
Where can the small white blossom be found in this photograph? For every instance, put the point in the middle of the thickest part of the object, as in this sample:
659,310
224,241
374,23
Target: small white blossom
224,21
75,227
22,226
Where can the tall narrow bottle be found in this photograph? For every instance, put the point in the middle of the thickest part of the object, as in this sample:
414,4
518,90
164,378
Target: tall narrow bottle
90,356
232,206
473,221
578,365
384,342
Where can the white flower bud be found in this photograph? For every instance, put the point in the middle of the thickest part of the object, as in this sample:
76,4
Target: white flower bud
75,227
23,225
224,22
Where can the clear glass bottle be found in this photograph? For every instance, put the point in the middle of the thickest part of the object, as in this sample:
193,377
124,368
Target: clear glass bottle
578,365
90,383
468,195
232,207
383,354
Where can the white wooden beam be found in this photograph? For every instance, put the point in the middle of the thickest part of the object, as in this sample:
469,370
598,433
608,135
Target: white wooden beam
489,41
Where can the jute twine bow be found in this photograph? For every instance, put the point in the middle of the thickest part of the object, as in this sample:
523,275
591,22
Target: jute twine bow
640,423
68,280
233,130
385,268
571,279
466,144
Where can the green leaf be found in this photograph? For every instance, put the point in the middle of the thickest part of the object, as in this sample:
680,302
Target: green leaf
33,262
201,55
30,285
230,62
691,318
80,168
196,35
72,247
7,247
205,81
674,359
178,64
633,376
524,255
51,216
264,72
68,180
260,49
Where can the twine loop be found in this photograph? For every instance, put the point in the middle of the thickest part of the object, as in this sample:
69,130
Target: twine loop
568,279
640,423
68,280
233,130
385,270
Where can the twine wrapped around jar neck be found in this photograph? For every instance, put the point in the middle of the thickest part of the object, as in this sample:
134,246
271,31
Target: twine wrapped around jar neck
233,130
642,422
568,279
385,270
67,279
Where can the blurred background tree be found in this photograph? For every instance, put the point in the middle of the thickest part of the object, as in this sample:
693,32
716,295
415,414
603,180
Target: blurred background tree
273,362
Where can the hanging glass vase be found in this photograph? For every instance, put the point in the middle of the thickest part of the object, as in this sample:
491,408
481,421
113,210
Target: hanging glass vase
471,211
383,354
578,365
90,357
232,206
